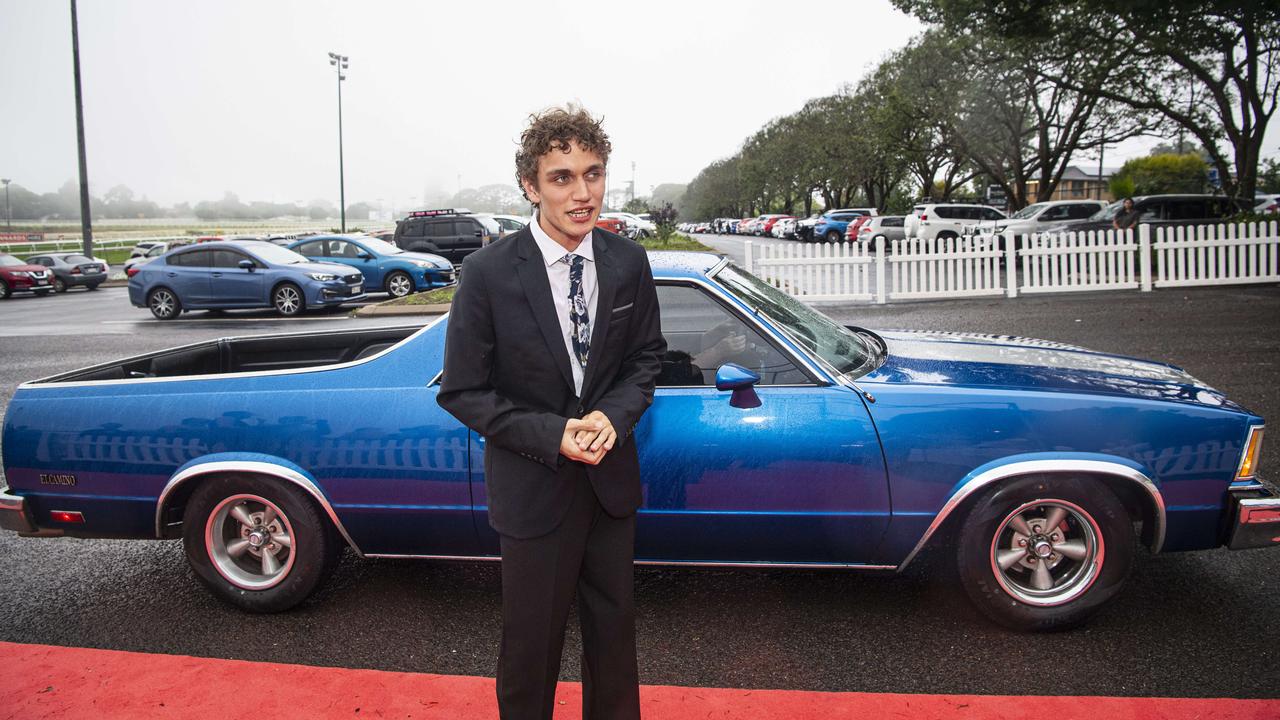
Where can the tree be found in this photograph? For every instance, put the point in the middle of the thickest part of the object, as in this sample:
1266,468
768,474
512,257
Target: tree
1209,68
1168,173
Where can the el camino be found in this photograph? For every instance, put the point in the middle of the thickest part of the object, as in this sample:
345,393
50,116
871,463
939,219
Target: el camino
777,437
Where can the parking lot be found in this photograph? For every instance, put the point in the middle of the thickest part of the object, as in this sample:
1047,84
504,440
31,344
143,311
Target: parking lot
1196,624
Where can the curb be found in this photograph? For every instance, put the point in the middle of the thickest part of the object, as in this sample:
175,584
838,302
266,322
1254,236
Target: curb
380,310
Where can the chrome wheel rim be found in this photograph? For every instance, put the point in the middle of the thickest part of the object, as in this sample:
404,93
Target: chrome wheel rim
162,303
398,285
250,542
288,300
1047,552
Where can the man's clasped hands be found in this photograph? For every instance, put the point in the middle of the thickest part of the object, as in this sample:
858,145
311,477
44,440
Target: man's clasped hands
588,439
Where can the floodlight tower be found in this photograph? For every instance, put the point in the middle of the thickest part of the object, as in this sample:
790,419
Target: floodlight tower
339,62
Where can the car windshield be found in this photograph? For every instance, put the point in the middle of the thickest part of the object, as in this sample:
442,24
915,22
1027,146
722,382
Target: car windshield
1109,212
380,247
10,261
1027,212
275,254
817,333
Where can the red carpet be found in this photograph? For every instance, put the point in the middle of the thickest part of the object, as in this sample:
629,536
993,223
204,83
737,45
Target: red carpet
43,681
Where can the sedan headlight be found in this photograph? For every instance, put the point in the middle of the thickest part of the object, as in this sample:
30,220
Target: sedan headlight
1000,228
424,263
322,277
21,273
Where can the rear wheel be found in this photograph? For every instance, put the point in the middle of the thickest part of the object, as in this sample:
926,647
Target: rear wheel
399,284
93,286
5,291
59,285
1045,552
947,235
258,543
164,304
287,300
833,236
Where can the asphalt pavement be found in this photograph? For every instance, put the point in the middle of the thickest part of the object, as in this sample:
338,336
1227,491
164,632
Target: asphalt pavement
1187,625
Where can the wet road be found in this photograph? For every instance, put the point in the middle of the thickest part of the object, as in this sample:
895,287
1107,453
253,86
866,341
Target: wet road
1198,624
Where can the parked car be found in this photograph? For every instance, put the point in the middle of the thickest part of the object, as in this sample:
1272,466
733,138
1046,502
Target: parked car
1036,217
614,225
889,227
948,220
508,224
1162,211
766,228
21,276
784,229
1267,203
637,228
1034,466
150,252
452,233
851,230
144,247
383,265
240,274
72,269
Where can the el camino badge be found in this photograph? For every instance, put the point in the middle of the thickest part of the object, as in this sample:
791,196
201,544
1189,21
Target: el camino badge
50,479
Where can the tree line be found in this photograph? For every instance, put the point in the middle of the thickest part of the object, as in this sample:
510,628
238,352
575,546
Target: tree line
1010,93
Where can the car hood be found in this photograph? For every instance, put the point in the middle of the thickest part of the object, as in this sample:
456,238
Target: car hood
1002,361
435,259
23,268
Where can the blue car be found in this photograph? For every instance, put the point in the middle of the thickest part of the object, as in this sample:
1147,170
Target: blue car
383,265
831,225
776,437
240,274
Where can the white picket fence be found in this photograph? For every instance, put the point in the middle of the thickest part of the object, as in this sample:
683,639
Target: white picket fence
980,266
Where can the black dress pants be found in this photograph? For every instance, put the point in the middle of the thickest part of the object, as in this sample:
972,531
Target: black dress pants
590,552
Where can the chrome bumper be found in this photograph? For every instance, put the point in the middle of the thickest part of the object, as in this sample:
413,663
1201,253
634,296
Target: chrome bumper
13,514
1255,520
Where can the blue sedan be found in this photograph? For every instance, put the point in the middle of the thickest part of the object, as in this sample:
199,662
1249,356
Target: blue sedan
240,274
776,437
383,265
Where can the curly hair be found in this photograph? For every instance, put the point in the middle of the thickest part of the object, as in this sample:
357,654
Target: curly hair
558,128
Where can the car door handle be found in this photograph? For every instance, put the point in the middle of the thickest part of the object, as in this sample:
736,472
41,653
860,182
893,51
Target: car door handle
172,274
217,274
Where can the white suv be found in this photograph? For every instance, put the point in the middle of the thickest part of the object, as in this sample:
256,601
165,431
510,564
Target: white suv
947,220
1039,216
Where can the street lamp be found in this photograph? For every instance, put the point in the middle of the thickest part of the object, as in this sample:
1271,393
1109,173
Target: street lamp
339,62
8,216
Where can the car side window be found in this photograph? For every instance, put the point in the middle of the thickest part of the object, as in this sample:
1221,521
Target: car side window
1081,211
1150,211
989,214
945,212
343,249
315,248
1058,212
703,334
195,258
412,228
893,222
229,259
440,228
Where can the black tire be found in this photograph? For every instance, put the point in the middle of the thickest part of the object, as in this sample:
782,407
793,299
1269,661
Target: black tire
59,285
164,303
210,531
93,287
947,235
398,284
288,300
5,291
833,236
1094,525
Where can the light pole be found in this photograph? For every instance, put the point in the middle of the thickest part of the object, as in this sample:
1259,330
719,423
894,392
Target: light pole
339,62
8,216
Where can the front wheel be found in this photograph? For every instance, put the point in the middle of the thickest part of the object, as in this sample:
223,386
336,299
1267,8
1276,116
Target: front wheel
259,544
399,284
1045,552
833,236
287,300
5,291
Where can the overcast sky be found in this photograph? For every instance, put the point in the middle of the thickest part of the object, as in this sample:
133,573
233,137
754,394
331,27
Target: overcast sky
188,100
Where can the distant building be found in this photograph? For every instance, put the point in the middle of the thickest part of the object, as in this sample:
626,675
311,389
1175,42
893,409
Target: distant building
1078,184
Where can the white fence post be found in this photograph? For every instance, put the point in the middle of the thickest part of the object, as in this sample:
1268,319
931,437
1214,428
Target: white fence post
1144,255
1011,264
881,280
747,245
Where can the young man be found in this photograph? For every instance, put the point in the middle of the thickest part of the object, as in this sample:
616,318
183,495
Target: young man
551,354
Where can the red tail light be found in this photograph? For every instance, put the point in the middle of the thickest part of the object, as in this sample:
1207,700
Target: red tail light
133,270
75,271
923,216
66,516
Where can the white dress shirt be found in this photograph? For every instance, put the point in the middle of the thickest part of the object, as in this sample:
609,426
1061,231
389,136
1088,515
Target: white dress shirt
558,277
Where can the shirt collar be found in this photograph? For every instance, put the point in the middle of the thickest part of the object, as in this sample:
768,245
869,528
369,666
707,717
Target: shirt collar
553,251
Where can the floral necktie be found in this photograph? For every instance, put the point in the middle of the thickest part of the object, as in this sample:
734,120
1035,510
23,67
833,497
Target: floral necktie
581,336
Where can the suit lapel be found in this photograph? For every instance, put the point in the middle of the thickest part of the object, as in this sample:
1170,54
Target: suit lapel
606,286
533,278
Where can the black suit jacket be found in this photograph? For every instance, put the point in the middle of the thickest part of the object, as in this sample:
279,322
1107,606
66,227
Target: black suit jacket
507,376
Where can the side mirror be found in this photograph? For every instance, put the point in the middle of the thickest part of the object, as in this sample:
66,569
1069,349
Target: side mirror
732,376
246,265
364,256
